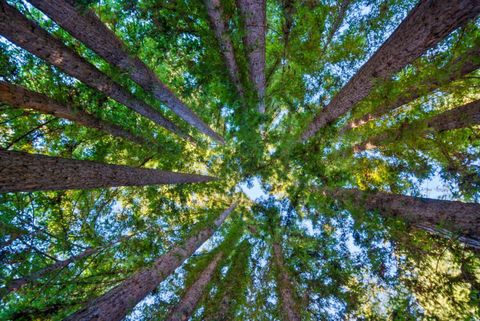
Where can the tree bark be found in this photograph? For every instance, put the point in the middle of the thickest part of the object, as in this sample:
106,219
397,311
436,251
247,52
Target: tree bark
427,24
184,309
24,172
456,118
215,13
19,97
86,27
254,19
28,35
459,68
458,217
285,288
116,303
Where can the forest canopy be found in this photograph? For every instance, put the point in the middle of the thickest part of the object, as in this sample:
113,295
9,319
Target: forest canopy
239,160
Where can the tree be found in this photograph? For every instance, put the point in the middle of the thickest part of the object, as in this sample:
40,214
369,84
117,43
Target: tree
408,42
254,19
115,304
28,35
20,97
187,304
86,27
29,172
456,216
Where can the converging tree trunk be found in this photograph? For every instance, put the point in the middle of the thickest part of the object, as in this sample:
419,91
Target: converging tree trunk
285,288
457,217
459,68
19,97
254,19
456,118
215,13
427,24
84,25
24,172
116,303
184,309
28,35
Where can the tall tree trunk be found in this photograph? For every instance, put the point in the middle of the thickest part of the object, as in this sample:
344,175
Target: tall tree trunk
116,303
184,309
456,118
28,35
285,288
254,19
215,13
458,217
458,69
24,172
86,27
427,24
19,97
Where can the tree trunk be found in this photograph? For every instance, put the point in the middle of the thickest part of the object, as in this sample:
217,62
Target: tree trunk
24,172
19,97
337,23
28,35
86,27
458,69
215,13
116,303
254,19
427,24
456,118
184,309
458,217
285,288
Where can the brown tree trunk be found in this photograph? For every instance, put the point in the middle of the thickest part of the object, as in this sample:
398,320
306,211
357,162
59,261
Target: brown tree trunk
116,303
459,68
28,35
86,27
456,118
254,19
19,97
24,172
458,217
427,24
215,13
184,309
285,288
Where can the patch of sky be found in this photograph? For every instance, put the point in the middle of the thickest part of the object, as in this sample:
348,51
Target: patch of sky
253,189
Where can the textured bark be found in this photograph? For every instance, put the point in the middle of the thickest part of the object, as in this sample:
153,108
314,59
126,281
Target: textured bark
16,284
115,304
427,24
28,35
23,172
86,27
184,309
458,217
254,19
19,97
285,288
459,68
215,13
456,118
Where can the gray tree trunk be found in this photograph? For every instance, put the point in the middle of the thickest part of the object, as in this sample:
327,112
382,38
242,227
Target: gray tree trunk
116,303
426,25
24,172
457,217
289,308
19,97
86,27
28,35
254,19
184,309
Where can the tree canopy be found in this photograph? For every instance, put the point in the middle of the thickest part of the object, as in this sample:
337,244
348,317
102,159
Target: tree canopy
240,160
